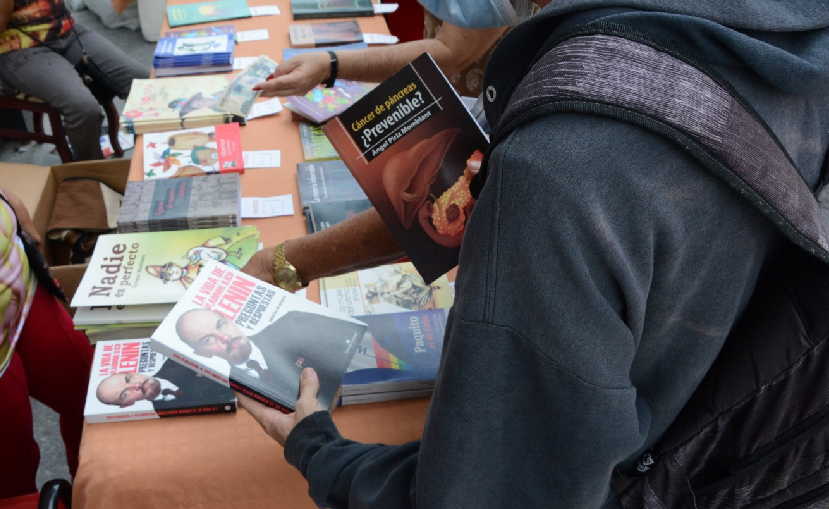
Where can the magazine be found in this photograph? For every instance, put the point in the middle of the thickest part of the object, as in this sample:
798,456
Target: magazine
414,148
309,35
257,338
185,203
157,267
191,152
155,105
385,289
130,381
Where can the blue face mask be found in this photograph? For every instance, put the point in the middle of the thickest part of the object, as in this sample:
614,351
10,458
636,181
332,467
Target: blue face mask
473,13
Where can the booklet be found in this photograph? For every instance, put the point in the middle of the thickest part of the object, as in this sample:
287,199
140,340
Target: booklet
130,381
414,148
157,267
257,338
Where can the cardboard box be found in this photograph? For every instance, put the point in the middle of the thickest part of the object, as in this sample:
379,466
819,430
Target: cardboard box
36,186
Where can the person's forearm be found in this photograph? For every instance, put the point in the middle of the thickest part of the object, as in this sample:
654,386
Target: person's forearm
377,64
358,242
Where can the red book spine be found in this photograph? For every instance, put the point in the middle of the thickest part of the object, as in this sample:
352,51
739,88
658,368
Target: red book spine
229,147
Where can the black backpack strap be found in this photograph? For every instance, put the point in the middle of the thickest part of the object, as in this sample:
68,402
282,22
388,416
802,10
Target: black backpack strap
607,70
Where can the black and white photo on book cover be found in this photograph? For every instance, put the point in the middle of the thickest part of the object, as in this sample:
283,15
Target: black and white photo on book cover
131,381
257,338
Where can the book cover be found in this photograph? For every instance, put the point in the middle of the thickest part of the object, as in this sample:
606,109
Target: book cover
181,204
322,103
326,181
201,31
385,289
204,12
309,35
306,9
175,103
130,381
315,144
157,267
117,315
414,148
326,214
191,51
193,152
288,53
257,338
400,351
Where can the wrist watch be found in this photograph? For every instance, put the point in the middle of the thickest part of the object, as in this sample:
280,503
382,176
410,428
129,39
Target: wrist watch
285,275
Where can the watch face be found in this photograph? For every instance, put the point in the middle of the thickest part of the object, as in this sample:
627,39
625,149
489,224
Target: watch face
287,279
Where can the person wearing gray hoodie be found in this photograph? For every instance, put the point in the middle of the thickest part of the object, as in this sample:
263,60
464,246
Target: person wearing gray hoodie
600,274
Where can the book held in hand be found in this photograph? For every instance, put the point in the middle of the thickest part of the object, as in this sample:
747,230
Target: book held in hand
186,203
157,267
309,35
257,338
130,381
306,9
204,12
414,148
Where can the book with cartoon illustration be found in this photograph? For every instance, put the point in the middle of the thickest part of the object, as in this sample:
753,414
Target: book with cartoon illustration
157,267
414,148
315,145
332,33
204,12
190,51
156,105
307,9
186,203
398,359
130,381
257,338
193,152
385,289
322,103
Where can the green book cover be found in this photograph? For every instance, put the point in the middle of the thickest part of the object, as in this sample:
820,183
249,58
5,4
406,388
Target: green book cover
315,144
305,9
157,267
203,12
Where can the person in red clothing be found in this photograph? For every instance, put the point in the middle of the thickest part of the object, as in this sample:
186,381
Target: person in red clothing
41,355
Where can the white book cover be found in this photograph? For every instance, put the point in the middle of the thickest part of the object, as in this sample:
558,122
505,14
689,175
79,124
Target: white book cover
257,338
129,381
157,267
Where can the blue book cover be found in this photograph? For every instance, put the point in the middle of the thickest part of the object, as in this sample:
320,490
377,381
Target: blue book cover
204,12
193,51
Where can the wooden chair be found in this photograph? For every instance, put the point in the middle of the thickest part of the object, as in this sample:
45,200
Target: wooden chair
12,100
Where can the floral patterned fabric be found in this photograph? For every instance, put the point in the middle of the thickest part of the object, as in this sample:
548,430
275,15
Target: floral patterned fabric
34,22
17,285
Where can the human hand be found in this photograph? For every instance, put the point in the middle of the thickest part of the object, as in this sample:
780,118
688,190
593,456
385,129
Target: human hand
23,216
297,75
260,265
279,425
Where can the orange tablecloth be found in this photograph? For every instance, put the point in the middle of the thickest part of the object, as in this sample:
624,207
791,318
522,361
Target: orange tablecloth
226,461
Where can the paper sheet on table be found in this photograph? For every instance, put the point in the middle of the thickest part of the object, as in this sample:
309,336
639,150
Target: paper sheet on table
268,206
382,8
265,108
380,39
261,158
243,62
264,10
260,34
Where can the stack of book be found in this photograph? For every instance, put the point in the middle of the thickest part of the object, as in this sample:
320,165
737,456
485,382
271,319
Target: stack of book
195,52
133,279
406,320
186,203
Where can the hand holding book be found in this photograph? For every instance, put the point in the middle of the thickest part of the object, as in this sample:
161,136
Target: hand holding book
277,424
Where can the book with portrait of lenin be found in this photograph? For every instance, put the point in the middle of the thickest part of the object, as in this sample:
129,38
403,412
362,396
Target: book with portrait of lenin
257,338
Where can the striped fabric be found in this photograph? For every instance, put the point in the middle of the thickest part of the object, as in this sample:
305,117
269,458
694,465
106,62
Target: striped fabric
17,285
